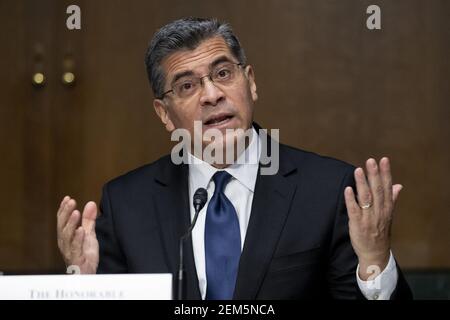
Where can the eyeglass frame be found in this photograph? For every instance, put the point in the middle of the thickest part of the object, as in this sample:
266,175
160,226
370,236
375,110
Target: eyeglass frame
209,75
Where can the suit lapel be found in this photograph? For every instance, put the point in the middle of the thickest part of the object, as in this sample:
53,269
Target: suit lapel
173,213
271,203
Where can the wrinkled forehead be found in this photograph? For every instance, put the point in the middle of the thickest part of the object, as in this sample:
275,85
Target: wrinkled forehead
198,59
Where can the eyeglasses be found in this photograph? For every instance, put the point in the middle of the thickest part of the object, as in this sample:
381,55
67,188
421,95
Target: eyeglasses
224,74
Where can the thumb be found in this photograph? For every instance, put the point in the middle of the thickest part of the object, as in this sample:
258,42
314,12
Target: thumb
89,216
396,188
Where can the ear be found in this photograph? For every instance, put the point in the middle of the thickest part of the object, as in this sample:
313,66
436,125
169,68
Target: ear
163,114
251,81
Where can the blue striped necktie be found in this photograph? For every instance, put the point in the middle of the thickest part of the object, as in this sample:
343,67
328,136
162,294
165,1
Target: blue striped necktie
222,242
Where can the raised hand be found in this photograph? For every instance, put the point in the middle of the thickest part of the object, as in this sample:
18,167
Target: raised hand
77,241
371,214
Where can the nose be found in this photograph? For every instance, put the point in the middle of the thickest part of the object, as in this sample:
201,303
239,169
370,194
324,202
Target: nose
210,95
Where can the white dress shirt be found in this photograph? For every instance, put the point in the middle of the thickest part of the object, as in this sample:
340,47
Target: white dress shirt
239,191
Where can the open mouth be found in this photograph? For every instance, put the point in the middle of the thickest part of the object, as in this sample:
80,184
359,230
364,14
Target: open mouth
218,120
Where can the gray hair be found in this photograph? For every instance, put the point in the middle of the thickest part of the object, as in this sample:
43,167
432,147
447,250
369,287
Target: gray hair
186,33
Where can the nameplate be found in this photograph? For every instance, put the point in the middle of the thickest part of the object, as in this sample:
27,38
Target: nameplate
87,287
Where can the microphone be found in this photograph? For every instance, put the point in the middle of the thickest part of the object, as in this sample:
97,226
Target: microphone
199,200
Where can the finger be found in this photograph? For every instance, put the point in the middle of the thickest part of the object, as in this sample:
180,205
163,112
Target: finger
71,226
66,211
76,247
396,188
62,204
362,188
89,216
376,186
353,208
61,210
386,177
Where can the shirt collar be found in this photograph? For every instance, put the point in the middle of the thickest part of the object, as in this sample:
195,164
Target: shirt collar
245,172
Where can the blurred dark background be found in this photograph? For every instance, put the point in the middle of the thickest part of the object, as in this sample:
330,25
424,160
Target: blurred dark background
331,85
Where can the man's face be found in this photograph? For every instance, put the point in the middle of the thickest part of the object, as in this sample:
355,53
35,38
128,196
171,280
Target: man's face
215,105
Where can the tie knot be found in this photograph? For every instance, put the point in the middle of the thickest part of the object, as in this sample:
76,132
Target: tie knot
221,179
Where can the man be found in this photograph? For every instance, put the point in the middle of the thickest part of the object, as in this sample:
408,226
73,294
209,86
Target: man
299,233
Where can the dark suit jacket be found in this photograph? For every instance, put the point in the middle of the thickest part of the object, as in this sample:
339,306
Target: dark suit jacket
297,244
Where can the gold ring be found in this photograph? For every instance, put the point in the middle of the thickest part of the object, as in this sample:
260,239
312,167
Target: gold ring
366,206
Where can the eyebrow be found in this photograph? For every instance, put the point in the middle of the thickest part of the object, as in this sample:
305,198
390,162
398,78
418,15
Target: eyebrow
213,64
181,75
219,60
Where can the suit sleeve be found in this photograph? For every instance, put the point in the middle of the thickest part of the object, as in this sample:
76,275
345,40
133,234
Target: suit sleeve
112,259
402,290
343,261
